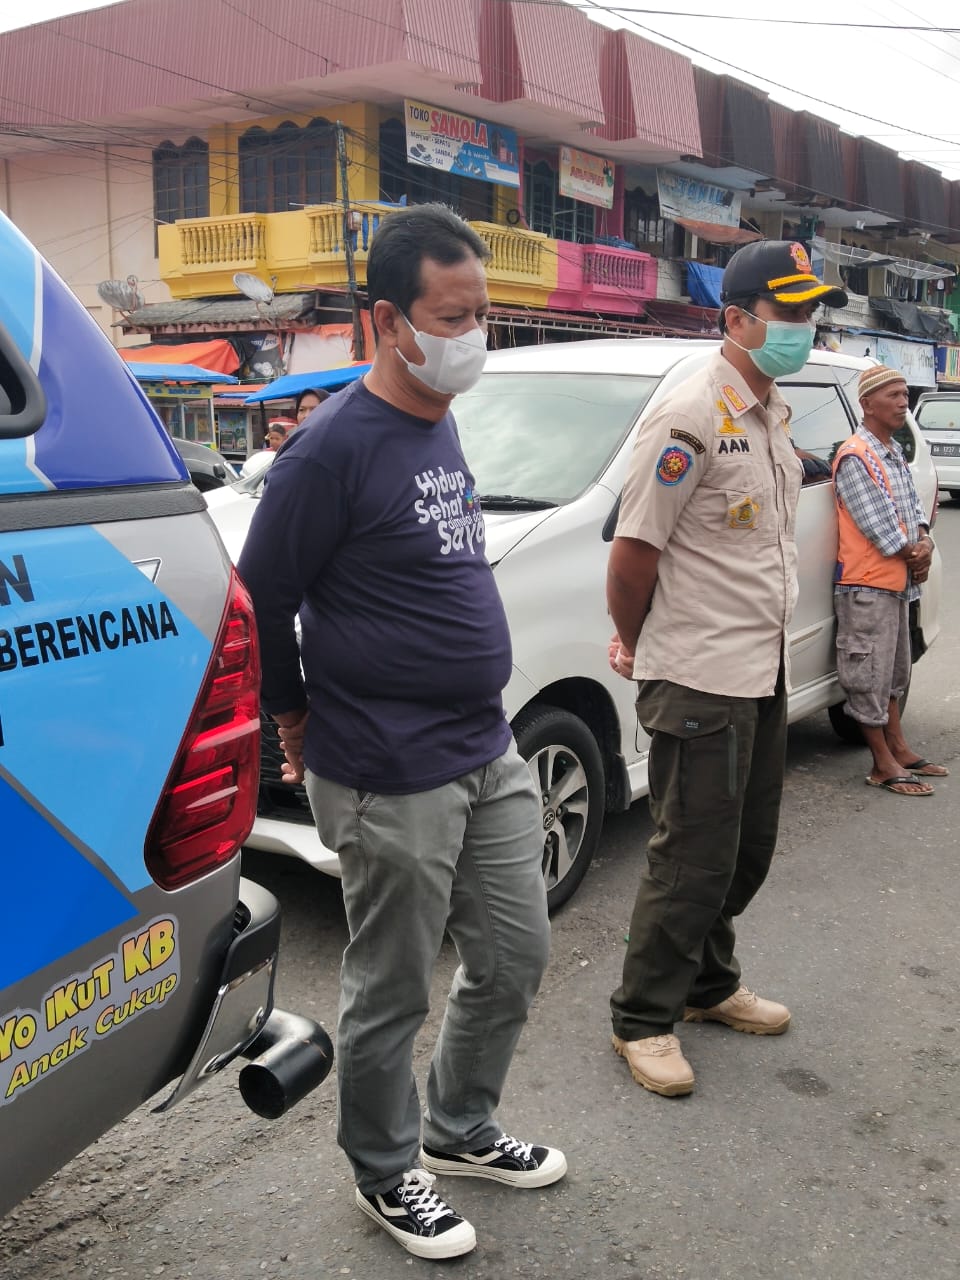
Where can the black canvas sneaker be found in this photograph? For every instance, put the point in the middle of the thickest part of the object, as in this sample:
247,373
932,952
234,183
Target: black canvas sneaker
418,1219
519,1164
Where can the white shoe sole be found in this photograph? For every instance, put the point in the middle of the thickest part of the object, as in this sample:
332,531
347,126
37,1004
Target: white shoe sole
451,1244
552,1170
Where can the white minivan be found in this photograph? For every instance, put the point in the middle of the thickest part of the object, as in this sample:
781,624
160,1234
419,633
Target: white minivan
548,431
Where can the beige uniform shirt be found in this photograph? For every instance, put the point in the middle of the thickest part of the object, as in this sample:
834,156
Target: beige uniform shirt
713,483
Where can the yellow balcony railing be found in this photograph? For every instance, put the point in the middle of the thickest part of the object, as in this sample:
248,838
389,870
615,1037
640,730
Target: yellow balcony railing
305,249
223,242
522,266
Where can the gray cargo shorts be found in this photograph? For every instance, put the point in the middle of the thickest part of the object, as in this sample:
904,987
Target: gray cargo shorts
873,652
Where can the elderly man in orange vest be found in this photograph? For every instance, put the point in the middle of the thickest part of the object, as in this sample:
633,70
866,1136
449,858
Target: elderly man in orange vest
883,557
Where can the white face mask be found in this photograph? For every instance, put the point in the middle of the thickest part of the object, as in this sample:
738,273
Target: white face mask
451,365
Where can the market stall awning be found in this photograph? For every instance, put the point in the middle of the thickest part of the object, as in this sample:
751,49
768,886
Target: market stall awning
716,233
217,355
236,394
291,384
176,373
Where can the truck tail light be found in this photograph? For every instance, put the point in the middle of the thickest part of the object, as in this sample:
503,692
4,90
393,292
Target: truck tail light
208,804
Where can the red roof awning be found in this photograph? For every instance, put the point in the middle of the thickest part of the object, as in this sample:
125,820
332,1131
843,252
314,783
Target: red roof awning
714,233
216,355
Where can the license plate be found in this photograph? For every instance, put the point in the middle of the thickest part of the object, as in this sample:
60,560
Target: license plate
945,450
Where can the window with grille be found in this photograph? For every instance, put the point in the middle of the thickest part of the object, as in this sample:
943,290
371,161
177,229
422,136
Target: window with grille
181,181
422,185
550,213
287,167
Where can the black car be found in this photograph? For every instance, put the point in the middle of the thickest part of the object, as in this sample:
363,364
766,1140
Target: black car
208,468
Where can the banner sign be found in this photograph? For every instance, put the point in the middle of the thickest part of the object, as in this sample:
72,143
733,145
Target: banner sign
682,197
586,177
473,148
915,360
948,364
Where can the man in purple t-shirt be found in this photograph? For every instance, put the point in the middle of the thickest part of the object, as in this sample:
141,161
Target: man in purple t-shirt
369,527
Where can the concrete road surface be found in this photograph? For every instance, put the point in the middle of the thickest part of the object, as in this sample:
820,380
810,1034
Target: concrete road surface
832,1153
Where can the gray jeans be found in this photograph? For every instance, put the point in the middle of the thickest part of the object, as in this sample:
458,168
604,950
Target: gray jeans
465,857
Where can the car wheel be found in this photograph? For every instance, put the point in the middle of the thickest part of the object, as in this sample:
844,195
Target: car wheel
567,769
847,729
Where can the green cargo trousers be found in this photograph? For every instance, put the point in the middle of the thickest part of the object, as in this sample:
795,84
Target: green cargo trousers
716,777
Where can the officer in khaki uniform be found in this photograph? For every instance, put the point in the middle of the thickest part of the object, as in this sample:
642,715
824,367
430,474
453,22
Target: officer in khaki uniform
701,585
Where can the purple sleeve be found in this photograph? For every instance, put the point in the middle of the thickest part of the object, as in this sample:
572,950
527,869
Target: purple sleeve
299,521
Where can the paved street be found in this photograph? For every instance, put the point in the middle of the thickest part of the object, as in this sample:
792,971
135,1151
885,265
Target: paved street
828,1154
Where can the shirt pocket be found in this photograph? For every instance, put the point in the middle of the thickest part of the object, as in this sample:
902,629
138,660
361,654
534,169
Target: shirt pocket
734,514
736,501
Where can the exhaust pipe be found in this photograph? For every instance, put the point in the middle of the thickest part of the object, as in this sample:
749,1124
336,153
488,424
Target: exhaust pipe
291,1056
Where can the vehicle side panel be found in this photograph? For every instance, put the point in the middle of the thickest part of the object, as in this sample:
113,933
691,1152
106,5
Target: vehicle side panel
105,980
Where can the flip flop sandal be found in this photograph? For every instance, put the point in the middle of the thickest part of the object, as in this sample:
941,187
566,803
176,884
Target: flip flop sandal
924,769
892,784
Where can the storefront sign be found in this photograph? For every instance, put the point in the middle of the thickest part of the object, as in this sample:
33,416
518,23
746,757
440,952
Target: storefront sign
682,197
472,148
915,360
586,177
948,364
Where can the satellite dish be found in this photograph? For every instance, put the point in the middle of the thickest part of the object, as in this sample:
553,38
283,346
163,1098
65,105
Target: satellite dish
253,287
124,295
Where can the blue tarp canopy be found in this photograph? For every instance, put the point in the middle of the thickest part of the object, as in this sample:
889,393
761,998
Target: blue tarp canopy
144,372
703,284
291,384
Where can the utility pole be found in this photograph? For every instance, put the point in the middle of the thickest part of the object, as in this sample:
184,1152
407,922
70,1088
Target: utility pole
358,349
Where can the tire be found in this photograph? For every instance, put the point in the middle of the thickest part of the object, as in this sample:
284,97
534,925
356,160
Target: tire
847,729
567,769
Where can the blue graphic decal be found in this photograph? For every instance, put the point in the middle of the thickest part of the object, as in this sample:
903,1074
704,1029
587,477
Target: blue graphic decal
41,926
100,428
99,673
20,300
20,271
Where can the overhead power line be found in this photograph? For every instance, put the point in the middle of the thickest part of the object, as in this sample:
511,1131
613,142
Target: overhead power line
733,17
800,93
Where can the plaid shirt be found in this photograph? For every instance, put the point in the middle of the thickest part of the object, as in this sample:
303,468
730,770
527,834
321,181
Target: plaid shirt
872,511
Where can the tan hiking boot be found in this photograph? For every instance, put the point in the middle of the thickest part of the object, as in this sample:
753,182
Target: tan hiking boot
657,1063
745,1011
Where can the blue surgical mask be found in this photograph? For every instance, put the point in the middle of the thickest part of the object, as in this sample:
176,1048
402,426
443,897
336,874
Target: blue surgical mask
786,347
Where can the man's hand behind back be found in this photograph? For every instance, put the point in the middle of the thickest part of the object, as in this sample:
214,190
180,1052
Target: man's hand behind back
292,729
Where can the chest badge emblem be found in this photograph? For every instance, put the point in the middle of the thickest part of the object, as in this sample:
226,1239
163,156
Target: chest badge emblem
743,514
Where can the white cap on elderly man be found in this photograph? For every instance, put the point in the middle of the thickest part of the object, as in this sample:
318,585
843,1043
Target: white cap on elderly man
877,377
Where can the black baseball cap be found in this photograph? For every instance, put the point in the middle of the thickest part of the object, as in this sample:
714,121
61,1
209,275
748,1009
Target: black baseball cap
777,269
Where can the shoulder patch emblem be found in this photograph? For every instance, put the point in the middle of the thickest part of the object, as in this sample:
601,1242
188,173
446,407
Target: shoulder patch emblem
688,438
734,399
673,465
728,427
743,514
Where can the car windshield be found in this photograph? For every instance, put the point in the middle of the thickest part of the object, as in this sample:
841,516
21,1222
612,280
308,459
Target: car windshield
939,415
541,439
